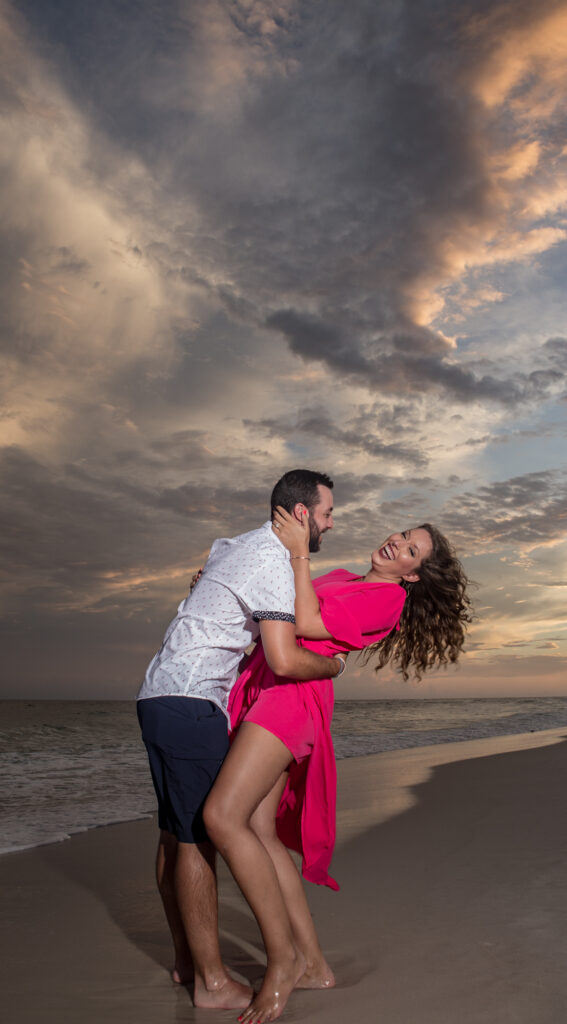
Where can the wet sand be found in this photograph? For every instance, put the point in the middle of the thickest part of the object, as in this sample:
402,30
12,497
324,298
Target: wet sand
452,862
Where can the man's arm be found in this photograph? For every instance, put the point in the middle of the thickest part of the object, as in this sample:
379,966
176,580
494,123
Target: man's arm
286,659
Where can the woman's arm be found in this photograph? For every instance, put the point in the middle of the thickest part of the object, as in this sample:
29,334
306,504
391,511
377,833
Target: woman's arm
295,536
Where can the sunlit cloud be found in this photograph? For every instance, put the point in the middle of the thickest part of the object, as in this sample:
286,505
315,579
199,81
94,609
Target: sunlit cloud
243,236
526,60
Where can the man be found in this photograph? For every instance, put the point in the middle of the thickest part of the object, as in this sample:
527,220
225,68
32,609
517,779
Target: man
246,590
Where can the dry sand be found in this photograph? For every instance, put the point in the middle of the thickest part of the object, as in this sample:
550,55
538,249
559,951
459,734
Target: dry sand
453,906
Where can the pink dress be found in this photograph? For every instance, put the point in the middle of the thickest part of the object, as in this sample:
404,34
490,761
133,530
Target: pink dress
357,614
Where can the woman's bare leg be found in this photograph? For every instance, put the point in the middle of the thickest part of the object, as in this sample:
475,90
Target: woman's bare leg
317,973
253,766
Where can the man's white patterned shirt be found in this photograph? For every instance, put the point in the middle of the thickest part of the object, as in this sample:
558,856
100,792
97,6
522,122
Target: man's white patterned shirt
245,579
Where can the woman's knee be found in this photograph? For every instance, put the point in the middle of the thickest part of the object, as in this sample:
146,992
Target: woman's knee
220,819
213,817
265,831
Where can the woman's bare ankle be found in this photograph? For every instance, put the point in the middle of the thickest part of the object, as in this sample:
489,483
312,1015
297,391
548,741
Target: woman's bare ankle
317,974
279,982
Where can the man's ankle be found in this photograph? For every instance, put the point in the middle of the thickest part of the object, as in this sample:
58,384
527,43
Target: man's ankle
211,979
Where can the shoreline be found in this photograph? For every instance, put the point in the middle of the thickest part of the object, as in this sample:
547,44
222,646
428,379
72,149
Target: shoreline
391,793
423,758
453,902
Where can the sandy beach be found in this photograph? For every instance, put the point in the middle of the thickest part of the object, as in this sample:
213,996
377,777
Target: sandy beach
452,862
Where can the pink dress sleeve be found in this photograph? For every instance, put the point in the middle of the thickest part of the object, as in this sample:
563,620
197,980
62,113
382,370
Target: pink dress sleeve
360,613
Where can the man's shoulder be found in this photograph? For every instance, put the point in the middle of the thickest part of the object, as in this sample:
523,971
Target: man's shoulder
262,538
255,543
248,553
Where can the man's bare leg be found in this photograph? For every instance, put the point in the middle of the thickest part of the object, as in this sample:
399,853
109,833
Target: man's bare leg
253,766
318,973
182,971
195,887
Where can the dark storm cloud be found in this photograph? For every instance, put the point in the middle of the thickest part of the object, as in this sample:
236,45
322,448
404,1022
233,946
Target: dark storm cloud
556,350
359,437
408,372
333,165
65,531
188,200
528,510
93,566
350,488
63,523
94,561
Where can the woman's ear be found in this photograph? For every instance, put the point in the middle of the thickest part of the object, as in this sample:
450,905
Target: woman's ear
411,577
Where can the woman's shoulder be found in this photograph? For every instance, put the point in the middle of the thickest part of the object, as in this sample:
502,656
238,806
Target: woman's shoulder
345,576
346,585
334,576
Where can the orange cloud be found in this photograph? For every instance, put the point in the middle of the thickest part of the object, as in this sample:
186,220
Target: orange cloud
532,56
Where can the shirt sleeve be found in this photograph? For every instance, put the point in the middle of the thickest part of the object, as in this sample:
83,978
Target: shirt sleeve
270,593
359,615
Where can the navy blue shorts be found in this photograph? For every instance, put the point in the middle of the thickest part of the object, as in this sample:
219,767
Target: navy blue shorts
187,741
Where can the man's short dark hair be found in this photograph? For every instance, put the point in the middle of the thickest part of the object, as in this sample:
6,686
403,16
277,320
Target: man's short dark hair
299,486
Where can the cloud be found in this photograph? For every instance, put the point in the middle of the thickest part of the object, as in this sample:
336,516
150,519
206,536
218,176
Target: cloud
556,350
74,536
355,437
244,236
388,135
272,220
409,372
526,512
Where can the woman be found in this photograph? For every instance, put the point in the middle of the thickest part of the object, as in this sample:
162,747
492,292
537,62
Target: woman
411,608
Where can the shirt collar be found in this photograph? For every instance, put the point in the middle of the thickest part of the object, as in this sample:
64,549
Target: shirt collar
273,534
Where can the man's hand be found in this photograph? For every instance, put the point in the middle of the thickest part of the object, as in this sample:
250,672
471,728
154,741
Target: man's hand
342,657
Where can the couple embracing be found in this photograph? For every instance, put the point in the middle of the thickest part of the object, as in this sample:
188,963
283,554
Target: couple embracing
244,762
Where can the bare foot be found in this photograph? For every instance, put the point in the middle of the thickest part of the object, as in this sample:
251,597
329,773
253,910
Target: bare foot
317,974
279,982
227,995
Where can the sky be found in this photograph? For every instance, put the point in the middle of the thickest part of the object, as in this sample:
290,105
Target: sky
241,236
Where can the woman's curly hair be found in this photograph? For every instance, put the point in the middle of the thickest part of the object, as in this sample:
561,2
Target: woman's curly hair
434,617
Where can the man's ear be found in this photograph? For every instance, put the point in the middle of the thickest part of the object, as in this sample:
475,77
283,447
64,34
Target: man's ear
299,511
411,577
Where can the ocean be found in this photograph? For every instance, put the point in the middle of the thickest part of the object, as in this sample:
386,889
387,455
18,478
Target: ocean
68,766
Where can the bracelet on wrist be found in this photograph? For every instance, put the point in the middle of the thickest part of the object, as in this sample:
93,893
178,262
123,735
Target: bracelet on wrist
307,557
343,665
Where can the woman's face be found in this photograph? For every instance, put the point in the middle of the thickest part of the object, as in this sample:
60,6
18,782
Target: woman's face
401,555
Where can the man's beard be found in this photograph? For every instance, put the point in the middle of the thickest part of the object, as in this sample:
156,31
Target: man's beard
314,536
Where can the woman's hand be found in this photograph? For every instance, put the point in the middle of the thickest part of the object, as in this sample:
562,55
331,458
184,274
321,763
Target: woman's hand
294,535
195,579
